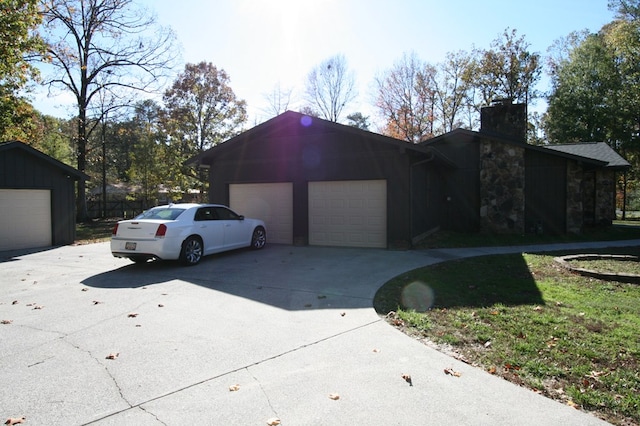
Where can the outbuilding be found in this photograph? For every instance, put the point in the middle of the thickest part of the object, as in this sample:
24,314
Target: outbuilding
37,198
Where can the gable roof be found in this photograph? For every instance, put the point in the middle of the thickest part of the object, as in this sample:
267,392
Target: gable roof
599,156
595,150
74,173
289,123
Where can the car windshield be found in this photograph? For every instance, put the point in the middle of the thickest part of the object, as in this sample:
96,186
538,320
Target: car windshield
164,213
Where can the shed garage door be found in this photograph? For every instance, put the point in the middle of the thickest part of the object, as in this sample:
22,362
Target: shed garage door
26,218
348,213
271,202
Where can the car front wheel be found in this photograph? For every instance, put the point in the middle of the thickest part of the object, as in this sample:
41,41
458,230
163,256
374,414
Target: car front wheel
259,238
191,252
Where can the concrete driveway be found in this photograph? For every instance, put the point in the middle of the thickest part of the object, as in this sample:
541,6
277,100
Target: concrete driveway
289,326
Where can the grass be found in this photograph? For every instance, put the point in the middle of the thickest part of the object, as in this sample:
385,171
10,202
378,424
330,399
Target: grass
525,318
98,230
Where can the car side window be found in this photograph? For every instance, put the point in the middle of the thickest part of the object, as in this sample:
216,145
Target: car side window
204,213
225,214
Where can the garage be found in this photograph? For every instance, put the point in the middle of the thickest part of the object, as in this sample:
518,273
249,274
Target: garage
348,213
26,217
270,202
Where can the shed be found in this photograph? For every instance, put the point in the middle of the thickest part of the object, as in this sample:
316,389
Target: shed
37,198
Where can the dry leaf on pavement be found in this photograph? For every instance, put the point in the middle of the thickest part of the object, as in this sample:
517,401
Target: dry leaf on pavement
15,420
113,355
234,388
6,321
407,378
451,372
132,315
274,421
334,396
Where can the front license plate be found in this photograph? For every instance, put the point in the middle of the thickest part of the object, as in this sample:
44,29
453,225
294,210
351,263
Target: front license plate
130,246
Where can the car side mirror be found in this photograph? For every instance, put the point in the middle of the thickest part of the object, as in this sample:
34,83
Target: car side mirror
240,217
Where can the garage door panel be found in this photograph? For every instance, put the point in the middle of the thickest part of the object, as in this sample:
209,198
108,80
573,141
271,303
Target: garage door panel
348,213
270,202
26,219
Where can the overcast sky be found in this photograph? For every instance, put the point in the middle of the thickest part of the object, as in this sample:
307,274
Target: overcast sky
262,43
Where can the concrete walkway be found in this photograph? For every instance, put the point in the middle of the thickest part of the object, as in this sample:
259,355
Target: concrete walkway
286,326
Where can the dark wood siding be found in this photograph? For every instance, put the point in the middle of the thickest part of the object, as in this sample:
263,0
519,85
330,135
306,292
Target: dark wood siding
545,193
21,170
309,155
458,205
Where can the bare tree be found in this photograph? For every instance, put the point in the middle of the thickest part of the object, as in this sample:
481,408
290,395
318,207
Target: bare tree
98,47
279,99
451,91
406,99
330,87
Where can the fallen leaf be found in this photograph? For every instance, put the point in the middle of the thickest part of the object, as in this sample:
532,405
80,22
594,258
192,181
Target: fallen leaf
334,396
343,314
15,302
234,388
494,312
113,356
376,350
570,403
96,302
160,305
6,321
15,420
138,325
38,307
538,308
451,372
407,378
492,370
274,421
85,289
132,315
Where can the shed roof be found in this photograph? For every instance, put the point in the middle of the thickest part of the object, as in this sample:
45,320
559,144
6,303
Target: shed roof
289,122
73,173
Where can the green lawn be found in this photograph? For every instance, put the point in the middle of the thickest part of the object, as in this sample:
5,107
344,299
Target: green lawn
525,318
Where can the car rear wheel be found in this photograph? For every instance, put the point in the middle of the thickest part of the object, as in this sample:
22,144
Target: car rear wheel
191,252
259,238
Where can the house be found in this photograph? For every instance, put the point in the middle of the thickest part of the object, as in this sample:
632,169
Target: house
503,185
37,198
322,183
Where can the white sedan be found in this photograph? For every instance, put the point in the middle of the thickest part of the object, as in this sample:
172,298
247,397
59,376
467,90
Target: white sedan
186,232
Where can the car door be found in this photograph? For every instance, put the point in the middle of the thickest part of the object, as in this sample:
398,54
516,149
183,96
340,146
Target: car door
210,229
235,228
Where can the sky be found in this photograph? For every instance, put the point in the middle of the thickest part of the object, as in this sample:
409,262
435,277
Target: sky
265,43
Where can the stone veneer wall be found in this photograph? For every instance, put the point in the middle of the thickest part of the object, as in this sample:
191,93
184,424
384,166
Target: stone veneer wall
502,178
576,190
605,204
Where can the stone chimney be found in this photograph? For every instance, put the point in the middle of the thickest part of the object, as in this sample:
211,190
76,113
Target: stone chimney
505,118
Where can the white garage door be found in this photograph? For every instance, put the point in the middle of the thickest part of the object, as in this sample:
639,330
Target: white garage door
26,218
271,202
348,213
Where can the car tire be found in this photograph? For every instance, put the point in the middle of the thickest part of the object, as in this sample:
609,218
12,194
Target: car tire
259,238
191,252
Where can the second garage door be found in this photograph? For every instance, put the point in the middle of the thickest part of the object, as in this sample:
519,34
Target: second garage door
270,202
348,213
26,218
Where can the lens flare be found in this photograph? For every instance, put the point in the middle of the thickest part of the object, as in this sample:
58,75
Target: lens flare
306,121
417,296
